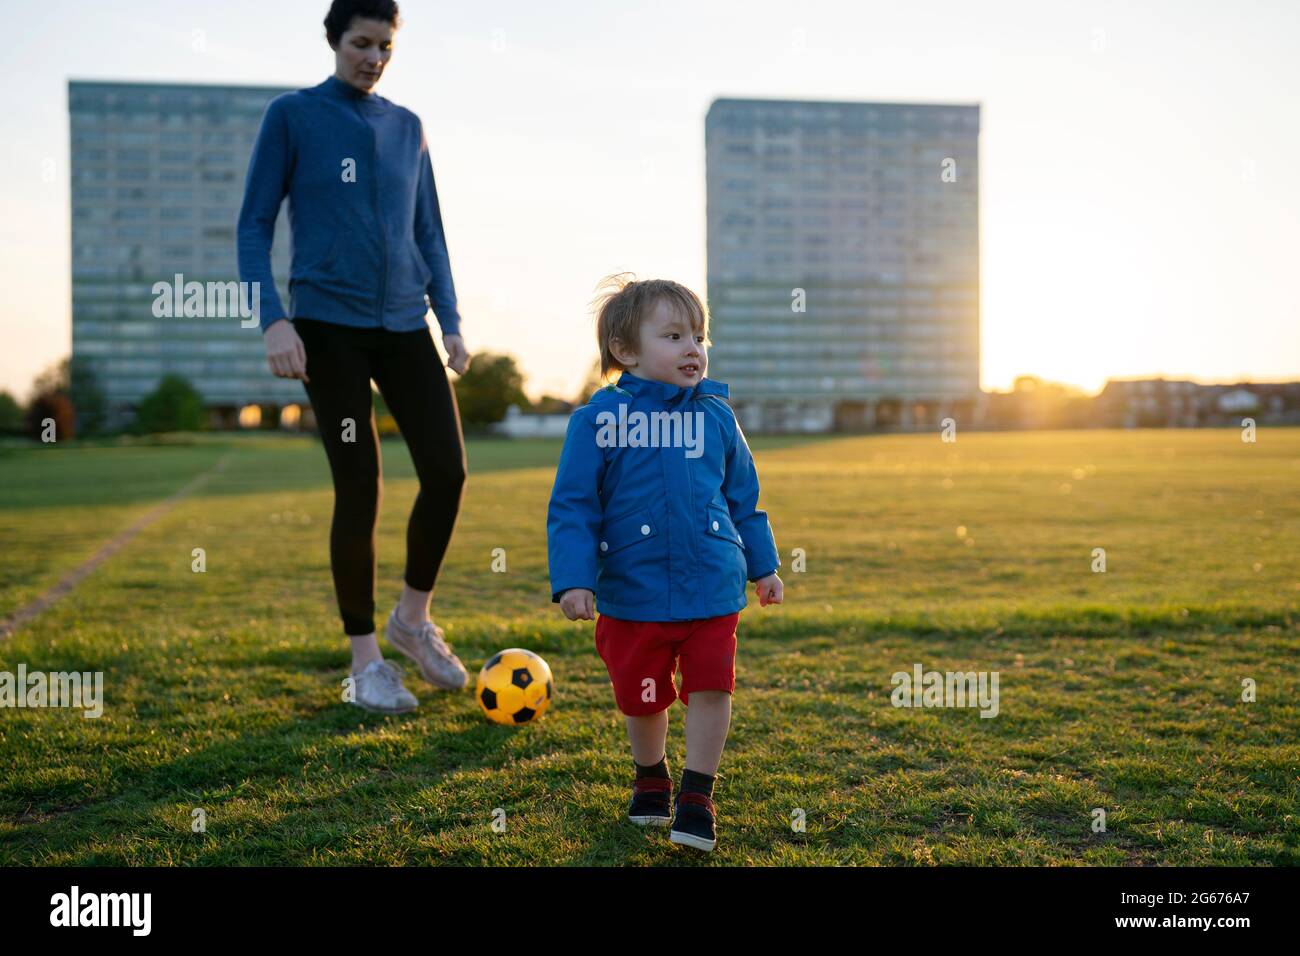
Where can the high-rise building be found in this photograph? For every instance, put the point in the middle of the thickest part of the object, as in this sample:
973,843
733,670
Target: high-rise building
157,176
843,262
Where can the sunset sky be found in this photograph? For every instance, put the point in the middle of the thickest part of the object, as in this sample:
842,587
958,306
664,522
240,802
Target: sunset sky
1140,212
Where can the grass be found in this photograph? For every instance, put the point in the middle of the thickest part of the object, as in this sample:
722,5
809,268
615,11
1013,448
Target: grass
1119,690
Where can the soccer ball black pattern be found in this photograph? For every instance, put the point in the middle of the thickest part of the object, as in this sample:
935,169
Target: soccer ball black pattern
514,687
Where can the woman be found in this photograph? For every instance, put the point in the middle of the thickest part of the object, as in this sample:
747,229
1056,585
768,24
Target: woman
369,257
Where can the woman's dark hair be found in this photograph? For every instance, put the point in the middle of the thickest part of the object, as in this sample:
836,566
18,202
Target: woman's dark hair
341,13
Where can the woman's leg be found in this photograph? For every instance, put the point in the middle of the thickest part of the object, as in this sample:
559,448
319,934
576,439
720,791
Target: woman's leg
413,381
338,365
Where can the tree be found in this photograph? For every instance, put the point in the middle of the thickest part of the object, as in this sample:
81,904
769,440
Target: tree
55,378
11,414
550,405
489,386
50,401
592,383
49,405
87,397
1038,403
174,406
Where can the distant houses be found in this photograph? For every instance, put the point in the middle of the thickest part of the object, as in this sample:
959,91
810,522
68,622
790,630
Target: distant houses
518,424
1122,403
1164,403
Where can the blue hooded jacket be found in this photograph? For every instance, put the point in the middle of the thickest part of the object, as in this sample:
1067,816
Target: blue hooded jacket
368,243
658,514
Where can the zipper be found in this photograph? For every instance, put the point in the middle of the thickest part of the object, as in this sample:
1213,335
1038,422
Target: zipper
383,234
383,230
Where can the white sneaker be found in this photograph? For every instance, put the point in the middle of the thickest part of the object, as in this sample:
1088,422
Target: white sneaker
379,690
427,646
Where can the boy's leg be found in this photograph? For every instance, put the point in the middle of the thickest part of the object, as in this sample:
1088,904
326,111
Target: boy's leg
708,664
649,737
708,716
707,719
639,658
652,790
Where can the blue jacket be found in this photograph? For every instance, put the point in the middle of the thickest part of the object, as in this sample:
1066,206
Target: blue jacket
658,533
368,245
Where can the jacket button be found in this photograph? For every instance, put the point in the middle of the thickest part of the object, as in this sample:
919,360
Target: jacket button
715,526
645,529
604,546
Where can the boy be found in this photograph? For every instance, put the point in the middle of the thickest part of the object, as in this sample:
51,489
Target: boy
654,508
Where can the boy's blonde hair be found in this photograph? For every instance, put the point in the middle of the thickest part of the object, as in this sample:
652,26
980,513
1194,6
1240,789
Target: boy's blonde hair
622,303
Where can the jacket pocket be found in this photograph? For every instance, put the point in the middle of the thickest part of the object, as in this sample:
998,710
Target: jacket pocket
718,523
321,265
408,276
618,533
426,275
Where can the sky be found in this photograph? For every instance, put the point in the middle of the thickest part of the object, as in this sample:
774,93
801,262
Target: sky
1140,215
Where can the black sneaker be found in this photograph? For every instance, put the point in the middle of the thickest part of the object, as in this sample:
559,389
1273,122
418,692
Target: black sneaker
651,804
693,825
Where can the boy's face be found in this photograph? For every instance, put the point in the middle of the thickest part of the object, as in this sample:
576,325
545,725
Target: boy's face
670,351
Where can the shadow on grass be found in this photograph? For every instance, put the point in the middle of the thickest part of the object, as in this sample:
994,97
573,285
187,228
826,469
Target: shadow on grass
386,765
55,822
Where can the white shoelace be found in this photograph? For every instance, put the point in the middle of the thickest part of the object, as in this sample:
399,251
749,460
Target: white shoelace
387,674
439,645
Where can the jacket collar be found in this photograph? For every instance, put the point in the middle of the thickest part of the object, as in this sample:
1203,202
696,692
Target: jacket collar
336,88
667,392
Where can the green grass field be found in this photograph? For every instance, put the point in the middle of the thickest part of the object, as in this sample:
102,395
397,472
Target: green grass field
1120,690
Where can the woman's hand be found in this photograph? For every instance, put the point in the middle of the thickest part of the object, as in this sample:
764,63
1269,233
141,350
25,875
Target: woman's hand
284,351
770,590
457,354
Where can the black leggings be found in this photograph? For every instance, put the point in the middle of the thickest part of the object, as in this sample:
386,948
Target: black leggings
406,366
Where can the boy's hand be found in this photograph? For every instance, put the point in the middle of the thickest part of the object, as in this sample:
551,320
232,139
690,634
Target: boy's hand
576,603
770,590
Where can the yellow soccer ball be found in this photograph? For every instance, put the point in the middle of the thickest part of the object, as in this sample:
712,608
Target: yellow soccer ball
514,687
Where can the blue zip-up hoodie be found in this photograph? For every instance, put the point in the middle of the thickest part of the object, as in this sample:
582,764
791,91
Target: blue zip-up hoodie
666,533
368,244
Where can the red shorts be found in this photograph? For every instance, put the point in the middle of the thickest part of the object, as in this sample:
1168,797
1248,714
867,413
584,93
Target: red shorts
641,657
